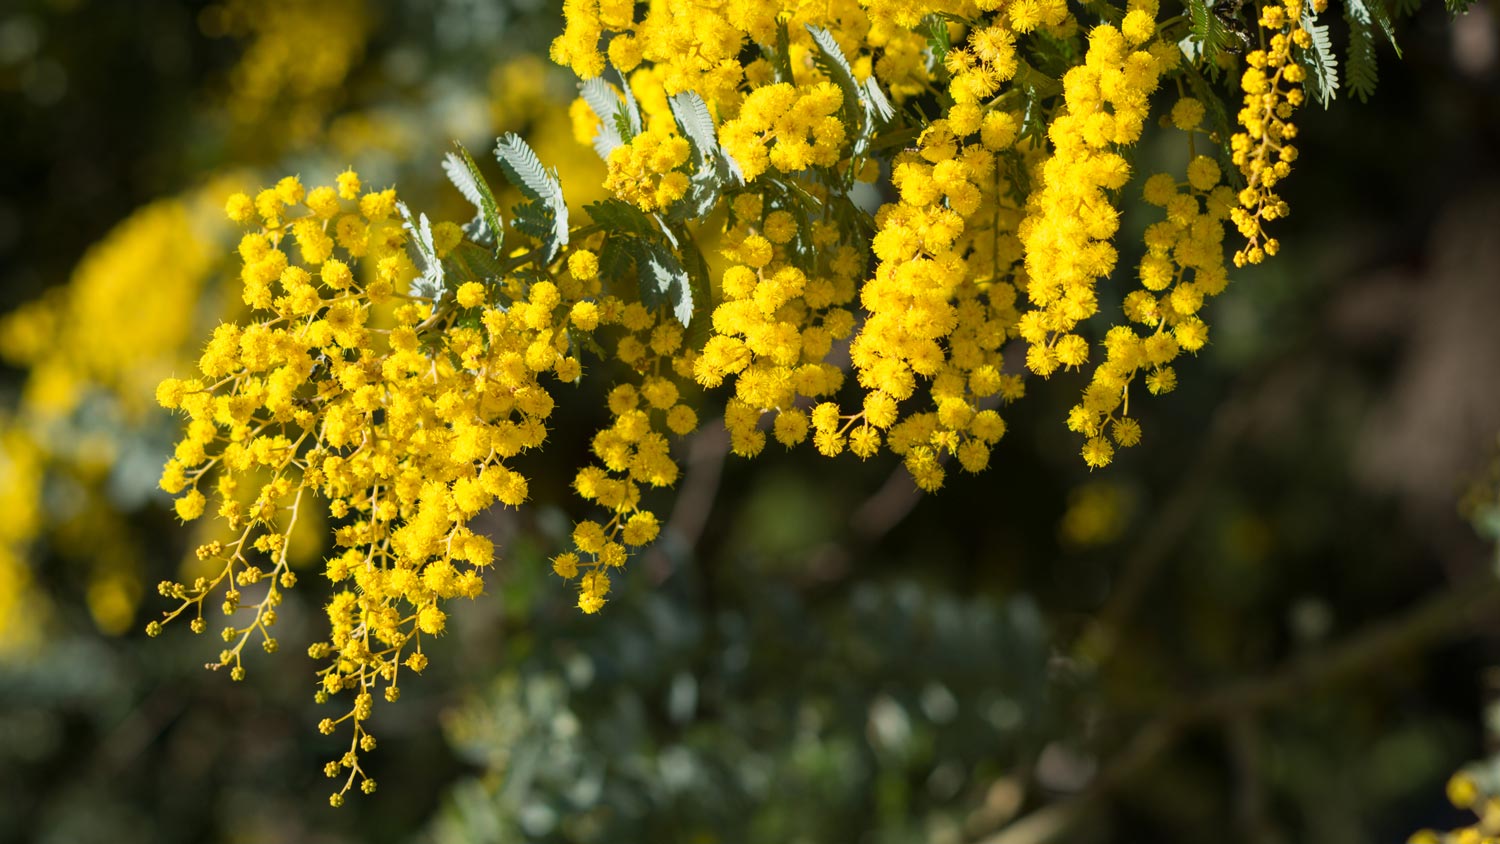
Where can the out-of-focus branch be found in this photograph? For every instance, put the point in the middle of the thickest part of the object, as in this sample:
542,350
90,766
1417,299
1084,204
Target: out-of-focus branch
1242,737
877,515
1461,608
707,449
700,484
1140,567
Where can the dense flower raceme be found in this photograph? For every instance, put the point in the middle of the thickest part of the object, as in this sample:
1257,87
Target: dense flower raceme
86,403
393,370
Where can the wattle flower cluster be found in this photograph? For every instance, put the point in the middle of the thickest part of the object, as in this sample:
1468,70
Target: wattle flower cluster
401,417
1072,218
864,223
633,452
776,326
940,304
1272,85
645,171
787,128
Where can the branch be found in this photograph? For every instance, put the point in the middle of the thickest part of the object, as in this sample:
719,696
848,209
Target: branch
1459,609
1229,425
707,449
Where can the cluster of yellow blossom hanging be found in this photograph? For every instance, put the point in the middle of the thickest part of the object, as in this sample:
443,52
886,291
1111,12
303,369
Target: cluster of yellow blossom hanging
986,260
1272,85
775,327
942,301
940,306
401,416
633,451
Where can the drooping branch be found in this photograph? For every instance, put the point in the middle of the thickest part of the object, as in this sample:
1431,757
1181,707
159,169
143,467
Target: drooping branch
1460,609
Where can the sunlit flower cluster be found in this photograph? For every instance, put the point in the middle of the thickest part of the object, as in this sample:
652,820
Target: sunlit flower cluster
859,225
1273,88
401,417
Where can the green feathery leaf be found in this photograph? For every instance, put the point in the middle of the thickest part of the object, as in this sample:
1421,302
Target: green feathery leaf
614,258
1360,71
1322,65
535,221
468,262
618,216
464,173
429,284
1206,32
700,289
865,105
880,107
781,56
525,171
630,120
608,106
696,123
830,59
939,41
1382,19
663,281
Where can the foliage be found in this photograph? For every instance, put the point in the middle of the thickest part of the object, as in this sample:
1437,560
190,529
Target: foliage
626,735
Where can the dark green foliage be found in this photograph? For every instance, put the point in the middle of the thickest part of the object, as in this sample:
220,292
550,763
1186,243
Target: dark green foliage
1208,31
677,721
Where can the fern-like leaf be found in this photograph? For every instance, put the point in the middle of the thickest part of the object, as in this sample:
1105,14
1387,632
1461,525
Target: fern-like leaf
781,56
865,105
831,60
1360,71
632,114
525,171
620,217
939,41
663,281
535,221
1321,63
1207,34
1382,20
468,262
714,164
429,285
464,173
697,125
614,258
607,105
880,106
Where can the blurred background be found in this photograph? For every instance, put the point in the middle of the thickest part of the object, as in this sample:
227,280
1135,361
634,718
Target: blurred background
1275,620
